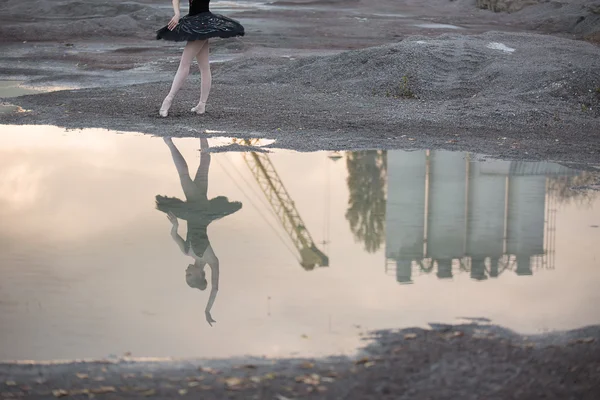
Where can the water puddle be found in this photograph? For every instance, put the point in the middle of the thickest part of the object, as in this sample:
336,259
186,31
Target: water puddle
438,26
9,89
109,245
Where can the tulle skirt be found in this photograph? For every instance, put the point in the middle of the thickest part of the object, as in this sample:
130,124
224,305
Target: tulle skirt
201,26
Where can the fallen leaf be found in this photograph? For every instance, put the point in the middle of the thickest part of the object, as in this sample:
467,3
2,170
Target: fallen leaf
249,366
361,361
103,390
282,397
410,336
233,382
149,393
193,384
60,393
270,376
312,380
208,370
148,376
78,392
369,364
307,365
255,379
82,376
327,379
182,392
10,383
586,340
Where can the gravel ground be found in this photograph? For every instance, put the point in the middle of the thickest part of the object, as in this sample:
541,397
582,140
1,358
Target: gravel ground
447,362
509,95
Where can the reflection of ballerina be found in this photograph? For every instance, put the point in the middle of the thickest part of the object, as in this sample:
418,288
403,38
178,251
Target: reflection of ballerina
199,212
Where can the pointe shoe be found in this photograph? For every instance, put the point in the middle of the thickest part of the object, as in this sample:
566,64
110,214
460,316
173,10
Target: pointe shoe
164,108
200,108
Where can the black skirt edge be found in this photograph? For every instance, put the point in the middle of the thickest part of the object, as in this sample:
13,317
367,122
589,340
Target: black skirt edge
187,38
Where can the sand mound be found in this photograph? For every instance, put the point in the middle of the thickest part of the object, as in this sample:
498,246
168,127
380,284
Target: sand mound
513,67
577,17
39,20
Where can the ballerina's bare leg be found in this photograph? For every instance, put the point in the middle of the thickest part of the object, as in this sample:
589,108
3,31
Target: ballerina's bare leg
190,51
205,76
191,189
201,178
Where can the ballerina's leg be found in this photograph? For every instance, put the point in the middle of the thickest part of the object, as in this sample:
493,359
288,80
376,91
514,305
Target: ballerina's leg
205,77
189,52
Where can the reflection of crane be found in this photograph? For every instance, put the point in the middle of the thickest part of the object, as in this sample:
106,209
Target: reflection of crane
284,207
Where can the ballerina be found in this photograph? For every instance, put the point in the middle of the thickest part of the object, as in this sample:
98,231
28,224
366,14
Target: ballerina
197,27
199,212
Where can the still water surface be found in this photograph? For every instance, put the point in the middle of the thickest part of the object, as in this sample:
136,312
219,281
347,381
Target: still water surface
89,267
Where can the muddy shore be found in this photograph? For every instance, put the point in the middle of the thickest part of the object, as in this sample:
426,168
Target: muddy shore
508,95
446,362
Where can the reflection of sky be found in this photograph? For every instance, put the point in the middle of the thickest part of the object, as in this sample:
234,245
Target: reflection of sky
87,266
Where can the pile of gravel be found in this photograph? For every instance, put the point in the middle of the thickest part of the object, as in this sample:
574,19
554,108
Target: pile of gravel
44,20
503,67
578,17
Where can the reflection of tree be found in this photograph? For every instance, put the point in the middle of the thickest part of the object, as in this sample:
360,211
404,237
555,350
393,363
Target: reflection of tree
565,188
367,176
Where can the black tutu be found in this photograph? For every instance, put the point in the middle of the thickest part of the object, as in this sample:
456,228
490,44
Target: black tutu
201,26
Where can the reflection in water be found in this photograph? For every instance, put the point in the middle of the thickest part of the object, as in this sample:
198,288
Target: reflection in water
447,213
367,174
79,294
562,186
199,212
284,208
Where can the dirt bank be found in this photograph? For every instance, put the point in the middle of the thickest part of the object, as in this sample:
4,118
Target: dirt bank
447,362
580,18
508,95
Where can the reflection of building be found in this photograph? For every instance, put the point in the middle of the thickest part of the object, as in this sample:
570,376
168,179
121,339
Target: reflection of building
446,213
